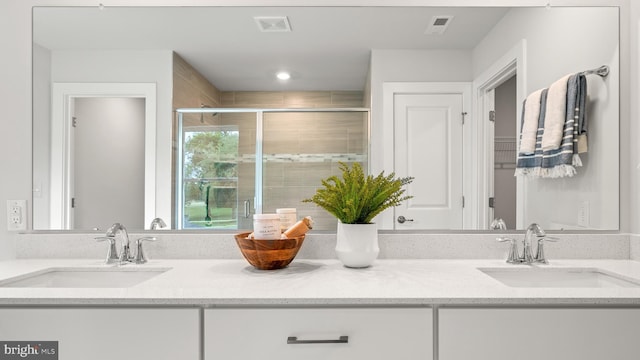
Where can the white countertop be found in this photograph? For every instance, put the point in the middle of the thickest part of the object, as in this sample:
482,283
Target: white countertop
319,282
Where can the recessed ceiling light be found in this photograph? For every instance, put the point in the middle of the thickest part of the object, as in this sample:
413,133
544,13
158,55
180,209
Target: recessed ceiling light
283,75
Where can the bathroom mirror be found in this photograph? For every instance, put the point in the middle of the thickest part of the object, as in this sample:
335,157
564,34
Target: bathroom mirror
328,50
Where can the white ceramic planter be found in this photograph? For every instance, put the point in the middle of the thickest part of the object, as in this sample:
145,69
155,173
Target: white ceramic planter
357,244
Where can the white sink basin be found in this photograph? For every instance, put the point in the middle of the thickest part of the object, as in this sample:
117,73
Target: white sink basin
559,277
83,277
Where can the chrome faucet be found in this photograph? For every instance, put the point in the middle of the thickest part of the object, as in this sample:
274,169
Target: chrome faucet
112,252
140,258
540,258
125,253
498,224
527,254
157,222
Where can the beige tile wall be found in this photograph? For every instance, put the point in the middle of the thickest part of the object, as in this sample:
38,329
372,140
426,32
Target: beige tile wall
286,184
190,88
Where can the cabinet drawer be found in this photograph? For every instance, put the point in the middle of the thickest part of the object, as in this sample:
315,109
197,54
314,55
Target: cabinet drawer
380,333
107,334
534,334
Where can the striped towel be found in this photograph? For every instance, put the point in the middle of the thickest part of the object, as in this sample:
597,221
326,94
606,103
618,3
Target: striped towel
581,114
530,116
530,164
556,113
561,161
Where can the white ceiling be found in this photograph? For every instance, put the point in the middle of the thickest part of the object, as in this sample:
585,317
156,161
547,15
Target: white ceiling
328,48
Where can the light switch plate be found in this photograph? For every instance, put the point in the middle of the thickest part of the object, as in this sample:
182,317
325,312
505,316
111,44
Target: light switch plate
16,215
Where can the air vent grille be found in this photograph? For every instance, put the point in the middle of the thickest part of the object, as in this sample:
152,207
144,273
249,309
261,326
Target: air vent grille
439,24
273,23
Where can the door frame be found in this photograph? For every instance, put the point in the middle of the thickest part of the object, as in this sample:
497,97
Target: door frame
513,62
386,220
61,152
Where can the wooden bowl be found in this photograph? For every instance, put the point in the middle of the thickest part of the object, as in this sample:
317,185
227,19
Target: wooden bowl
269,254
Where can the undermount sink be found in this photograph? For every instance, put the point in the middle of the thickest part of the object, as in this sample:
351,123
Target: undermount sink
559,277
80,277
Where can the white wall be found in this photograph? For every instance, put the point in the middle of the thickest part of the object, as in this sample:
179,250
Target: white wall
15,100
634,128
41,135
556,203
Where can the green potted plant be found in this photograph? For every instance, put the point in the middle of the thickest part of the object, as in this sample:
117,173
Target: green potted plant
356,199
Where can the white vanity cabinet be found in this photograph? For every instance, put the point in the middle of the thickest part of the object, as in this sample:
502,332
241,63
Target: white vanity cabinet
107,334
373,333
539,333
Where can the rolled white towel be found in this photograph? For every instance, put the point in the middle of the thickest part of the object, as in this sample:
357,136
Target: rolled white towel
556,114
529,131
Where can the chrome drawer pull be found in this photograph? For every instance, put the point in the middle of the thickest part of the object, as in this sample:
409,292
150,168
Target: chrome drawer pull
294,340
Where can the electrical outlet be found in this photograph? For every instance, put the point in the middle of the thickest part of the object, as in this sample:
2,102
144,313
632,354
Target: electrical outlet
583,214
16,215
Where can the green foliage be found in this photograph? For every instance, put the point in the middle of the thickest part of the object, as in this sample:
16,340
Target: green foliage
358,198
211,154
211,157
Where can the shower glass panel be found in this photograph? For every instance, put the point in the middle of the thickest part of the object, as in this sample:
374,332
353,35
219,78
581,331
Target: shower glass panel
302,148
219,183
216,182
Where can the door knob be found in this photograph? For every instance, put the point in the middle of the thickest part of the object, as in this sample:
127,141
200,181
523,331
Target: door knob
402,219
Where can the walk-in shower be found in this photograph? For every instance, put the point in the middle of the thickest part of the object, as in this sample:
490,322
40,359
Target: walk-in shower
220,185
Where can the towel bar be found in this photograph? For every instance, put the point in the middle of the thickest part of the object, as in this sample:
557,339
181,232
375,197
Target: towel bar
602,71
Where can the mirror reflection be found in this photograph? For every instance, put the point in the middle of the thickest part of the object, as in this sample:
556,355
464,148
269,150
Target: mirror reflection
170,58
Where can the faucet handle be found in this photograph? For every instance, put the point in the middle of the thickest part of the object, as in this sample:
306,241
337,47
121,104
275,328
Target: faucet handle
513,257
140,257
157,222
112,252
498,224
540,258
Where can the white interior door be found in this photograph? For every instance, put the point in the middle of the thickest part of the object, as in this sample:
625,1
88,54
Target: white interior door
157,196
428,145
108,153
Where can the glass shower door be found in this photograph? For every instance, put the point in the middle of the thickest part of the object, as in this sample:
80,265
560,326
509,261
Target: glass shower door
217,170
300,148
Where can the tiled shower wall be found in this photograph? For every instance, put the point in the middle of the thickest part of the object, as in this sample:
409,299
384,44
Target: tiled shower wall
300,148
322,140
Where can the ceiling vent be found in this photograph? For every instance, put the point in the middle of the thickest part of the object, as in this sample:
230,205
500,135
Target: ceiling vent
438,24
273,23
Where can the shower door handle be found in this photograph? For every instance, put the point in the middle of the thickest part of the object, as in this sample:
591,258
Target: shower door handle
247,211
